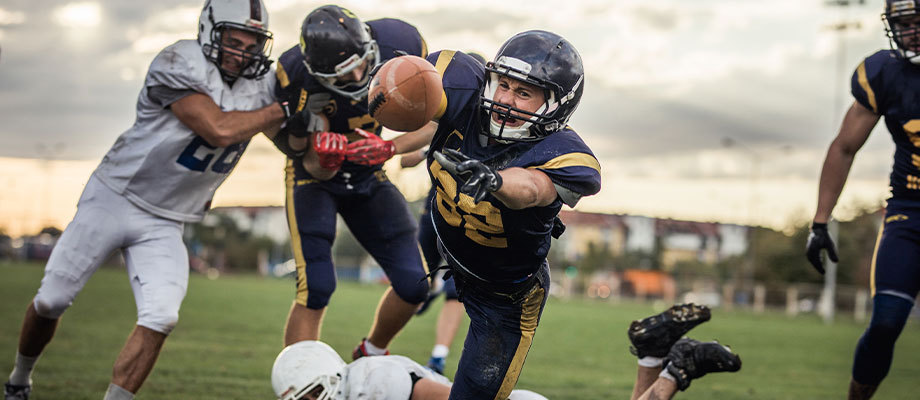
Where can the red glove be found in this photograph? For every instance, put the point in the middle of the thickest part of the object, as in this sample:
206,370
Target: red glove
330,147
372,150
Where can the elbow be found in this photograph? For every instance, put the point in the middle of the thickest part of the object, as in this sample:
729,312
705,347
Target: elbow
527,197
220,137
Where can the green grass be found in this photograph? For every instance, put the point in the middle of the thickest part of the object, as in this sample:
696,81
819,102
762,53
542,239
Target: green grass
230,331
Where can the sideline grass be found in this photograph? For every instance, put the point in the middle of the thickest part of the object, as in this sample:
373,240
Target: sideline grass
230,331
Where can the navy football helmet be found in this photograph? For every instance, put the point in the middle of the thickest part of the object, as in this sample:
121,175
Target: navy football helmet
543,59
334,42
902,26
219,16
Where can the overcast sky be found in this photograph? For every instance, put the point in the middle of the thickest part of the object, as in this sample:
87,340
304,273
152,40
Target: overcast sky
667,82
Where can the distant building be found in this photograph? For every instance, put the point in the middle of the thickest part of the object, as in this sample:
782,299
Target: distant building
674,240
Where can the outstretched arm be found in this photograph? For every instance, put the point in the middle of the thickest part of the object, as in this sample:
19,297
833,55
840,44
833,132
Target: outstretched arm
525,188
855,129
221,129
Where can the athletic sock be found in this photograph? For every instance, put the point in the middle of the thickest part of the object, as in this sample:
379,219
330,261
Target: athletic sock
651,362
116,392
440,351
373,350
667,375
22,372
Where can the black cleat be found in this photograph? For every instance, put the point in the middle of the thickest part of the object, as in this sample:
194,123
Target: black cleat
16,392
690,359
654,336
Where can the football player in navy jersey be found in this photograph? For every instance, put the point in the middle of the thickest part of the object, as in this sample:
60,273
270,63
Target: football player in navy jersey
327,76
503,161
886,83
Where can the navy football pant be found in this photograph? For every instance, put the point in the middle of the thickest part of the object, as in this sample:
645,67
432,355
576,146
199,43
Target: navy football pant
497,341
895,282
380,220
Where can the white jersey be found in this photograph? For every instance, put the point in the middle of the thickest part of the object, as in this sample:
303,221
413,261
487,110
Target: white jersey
159,164
388,378
382,378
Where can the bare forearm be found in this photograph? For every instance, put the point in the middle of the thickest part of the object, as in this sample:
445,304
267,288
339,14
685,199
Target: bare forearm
415,140
237,126
524,188
833,176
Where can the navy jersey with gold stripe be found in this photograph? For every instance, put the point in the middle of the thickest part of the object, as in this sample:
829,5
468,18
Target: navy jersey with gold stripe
890,86
344,113
491,240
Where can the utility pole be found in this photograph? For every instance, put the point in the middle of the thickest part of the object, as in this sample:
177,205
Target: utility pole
827,302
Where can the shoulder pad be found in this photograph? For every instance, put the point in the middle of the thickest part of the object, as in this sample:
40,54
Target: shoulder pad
180,66
867,83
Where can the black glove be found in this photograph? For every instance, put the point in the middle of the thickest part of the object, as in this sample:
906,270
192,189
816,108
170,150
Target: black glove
817,240
478,179
281,142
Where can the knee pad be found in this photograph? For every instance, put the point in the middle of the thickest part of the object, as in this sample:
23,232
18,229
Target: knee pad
54,297
161,319
158,307
412,291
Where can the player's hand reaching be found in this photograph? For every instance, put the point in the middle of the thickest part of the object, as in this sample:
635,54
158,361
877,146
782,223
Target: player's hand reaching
372,150
477,178
819,239
330,147
306,120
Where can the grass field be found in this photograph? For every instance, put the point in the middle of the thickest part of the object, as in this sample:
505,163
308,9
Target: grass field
230,331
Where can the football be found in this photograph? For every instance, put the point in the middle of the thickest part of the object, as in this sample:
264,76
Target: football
405,93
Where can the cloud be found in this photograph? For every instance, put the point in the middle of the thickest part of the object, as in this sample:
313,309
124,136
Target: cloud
11,17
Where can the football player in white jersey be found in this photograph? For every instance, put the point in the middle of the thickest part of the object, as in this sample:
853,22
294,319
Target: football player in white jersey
311,370
668,363
201,103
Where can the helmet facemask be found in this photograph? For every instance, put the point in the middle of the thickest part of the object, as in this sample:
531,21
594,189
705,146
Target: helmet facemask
902,26
334,81
322,388
254,59
537,124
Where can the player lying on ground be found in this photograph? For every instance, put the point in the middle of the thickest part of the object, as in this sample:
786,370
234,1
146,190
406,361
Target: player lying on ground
311,370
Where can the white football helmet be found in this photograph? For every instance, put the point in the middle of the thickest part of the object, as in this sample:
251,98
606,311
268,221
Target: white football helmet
303,366
217,16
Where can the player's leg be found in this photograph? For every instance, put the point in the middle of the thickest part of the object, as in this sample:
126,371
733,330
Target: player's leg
895,281
311,220
652,338
428,243
449,320
498,340
384,225
86,242
157,264
660,389
687,361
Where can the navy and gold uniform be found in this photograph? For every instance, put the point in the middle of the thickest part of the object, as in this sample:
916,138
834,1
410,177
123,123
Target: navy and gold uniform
497,254
374,210
890,86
